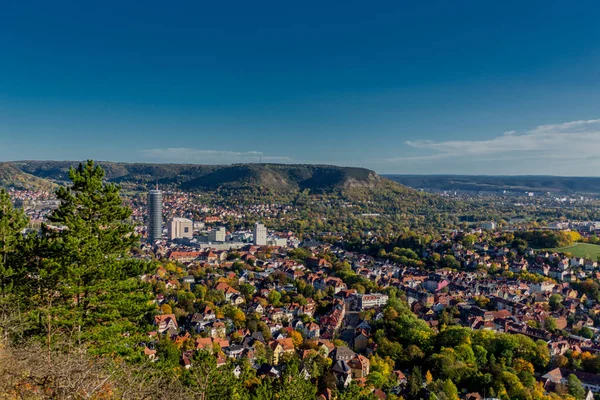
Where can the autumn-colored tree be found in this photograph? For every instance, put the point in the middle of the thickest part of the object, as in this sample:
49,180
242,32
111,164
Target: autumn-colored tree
297,339
428,377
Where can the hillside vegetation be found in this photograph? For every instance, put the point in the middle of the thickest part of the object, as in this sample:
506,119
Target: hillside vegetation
12,176
316,178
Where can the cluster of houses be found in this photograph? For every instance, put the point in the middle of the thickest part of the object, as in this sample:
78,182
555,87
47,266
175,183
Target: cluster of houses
209,331
476,299
552,265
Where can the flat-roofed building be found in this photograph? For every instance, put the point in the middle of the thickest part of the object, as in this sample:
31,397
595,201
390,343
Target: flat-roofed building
364,301
217,235
180,228
260,234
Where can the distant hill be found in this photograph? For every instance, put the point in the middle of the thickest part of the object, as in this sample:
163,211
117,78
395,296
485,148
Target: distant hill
316,178
12,176
555,184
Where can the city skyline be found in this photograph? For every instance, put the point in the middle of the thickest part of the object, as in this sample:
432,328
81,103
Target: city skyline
402,88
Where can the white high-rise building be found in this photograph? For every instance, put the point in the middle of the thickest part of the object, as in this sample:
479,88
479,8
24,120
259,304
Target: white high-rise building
181,228
260,234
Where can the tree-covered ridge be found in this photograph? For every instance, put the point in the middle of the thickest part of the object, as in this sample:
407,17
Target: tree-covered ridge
12,176
192,176
327,198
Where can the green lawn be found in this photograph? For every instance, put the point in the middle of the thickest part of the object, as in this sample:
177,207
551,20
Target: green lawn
586,250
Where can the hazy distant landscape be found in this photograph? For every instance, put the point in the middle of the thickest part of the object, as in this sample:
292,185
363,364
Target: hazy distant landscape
480,183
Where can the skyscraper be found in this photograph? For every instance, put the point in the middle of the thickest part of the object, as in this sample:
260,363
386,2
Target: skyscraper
260,234
155,218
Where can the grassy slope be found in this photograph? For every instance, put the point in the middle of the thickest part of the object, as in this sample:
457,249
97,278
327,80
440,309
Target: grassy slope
587,250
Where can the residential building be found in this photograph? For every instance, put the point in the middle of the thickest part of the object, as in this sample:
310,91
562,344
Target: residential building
364,301
360,366
165,322
342,353
560,375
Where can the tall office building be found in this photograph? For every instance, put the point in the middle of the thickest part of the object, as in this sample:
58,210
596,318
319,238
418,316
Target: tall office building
155,217
260,234
180,228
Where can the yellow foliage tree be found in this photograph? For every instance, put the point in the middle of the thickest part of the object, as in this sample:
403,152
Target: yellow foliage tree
297,338
239,318
586,355
428,377
384,366
574,236
521,365
171,267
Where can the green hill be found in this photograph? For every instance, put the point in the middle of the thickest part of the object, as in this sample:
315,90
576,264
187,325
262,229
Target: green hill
364,191
12,176
316,178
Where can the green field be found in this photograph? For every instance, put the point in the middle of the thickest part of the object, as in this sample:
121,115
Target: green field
586,250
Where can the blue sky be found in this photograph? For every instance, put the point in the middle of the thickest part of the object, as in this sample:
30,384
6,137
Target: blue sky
469,87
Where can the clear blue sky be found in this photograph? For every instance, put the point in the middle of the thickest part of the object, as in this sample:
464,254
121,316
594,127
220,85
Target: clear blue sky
505,87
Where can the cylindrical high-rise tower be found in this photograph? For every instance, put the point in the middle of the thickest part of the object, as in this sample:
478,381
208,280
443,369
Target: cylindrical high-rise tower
155,217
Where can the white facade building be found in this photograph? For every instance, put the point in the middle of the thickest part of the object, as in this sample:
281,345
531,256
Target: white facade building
277,241
365,301
260,234
180,228
489,226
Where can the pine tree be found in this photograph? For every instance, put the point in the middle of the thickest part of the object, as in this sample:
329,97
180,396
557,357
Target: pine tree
101,296
415,381
12,222
41,288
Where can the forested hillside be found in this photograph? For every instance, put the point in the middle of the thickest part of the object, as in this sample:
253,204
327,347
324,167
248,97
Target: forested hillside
317,178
